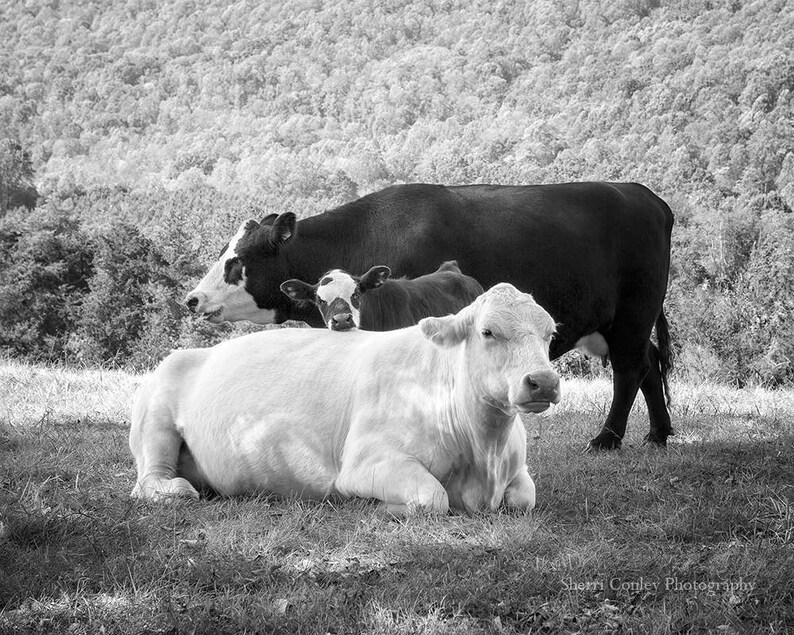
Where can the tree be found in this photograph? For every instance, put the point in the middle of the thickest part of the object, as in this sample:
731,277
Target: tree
129,274
16,177
45,263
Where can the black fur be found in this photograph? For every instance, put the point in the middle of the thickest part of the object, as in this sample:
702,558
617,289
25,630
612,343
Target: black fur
596,256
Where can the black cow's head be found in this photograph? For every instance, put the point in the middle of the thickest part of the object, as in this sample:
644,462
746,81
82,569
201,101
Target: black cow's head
337,295
244,283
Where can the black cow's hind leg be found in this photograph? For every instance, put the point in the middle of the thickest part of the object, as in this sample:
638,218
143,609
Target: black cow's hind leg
653,392
626,380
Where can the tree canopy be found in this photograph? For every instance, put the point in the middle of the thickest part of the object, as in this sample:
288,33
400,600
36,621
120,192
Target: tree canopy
306,104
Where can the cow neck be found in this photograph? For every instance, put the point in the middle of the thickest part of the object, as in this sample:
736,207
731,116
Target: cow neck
327,241
485,428
477,435
381,303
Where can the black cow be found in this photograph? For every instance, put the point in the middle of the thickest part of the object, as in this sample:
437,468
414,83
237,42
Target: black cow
375,302
596,256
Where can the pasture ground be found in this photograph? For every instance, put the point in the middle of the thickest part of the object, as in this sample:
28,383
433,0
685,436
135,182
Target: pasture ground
695,538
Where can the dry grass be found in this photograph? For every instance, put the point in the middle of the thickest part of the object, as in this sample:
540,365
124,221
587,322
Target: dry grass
695,538
32,394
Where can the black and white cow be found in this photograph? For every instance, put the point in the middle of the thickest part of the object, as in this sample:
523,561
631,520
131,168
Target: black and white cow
596,256
375,302
423,418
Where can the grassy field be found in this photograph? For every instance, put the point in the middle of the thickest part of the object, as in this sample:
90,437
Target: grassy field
698,537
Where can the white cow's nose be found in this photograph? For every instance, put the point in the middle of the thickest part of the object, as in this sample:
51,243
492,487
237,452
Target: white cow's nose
543,385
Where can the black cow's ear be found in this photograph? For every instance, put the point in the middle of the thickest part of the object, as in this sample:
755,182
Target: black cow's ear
268,220
298,291
374,278
283,228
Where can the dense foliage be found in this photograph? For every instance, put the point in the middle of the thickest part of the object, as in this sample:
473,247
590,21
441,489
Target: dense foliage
170,122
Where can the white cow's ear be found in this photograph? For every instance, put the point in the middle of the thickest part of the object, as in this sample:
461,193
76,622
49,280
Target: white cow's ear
445,331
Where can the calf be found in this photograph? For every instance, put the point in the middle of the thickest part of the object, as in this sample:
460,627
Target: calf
374,302
421,418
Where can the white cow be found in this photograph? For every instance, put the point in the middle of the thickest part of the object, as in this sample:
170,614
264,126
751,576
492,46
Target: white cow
422,418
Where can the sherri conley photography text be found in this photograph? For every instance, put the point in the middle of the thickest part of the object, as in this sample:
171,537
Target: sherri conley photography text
663,584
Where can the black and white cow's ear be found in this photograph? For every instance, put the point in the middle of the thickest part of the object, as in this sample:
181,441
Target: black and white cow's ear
283,228
299,291
443,331
374,278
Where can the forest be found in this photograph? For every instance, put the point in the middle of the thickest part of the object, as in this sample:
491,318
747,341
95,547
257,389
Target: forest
136,135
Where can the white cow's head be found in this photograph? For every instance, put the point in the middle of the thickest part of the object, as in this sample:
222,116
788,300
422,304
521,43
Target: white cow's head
505,337
337,295
243,284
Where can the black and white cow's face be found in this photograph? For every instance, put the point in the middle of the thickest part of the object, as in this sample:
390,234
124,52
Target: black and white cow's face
337,295
244,282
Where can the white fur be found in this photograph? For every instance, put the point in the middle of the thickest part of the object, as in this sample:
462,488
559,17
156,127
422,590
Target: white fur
386,415
234,302
594,345
342,286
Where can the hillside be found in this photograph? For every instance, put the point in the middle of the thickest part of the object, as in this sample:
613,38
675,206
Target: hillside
191,112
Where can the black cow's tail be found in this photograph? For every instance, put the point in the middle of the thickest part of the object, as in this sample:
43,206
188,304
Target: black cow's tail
665,352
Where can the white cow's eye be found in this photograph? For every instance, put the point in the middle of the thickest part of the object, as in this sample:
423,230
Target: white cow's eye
487,333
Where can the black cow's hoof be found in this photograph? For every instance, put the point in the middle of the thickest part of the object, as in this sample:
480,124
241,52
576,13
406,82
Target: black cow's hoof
654,442
598,445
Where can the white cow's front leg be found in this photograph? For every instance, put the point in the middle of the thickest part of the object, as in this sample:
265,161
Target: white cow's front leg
520,493
155,444
157,469
158,488
402,483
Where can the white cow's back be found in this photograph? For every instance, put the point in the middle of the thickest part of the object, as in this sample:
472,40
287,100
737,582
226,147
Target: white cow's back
272,410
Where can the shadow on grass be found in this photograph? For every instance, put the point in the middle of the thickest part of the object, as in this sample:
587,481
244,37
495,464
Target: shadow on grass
623,540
